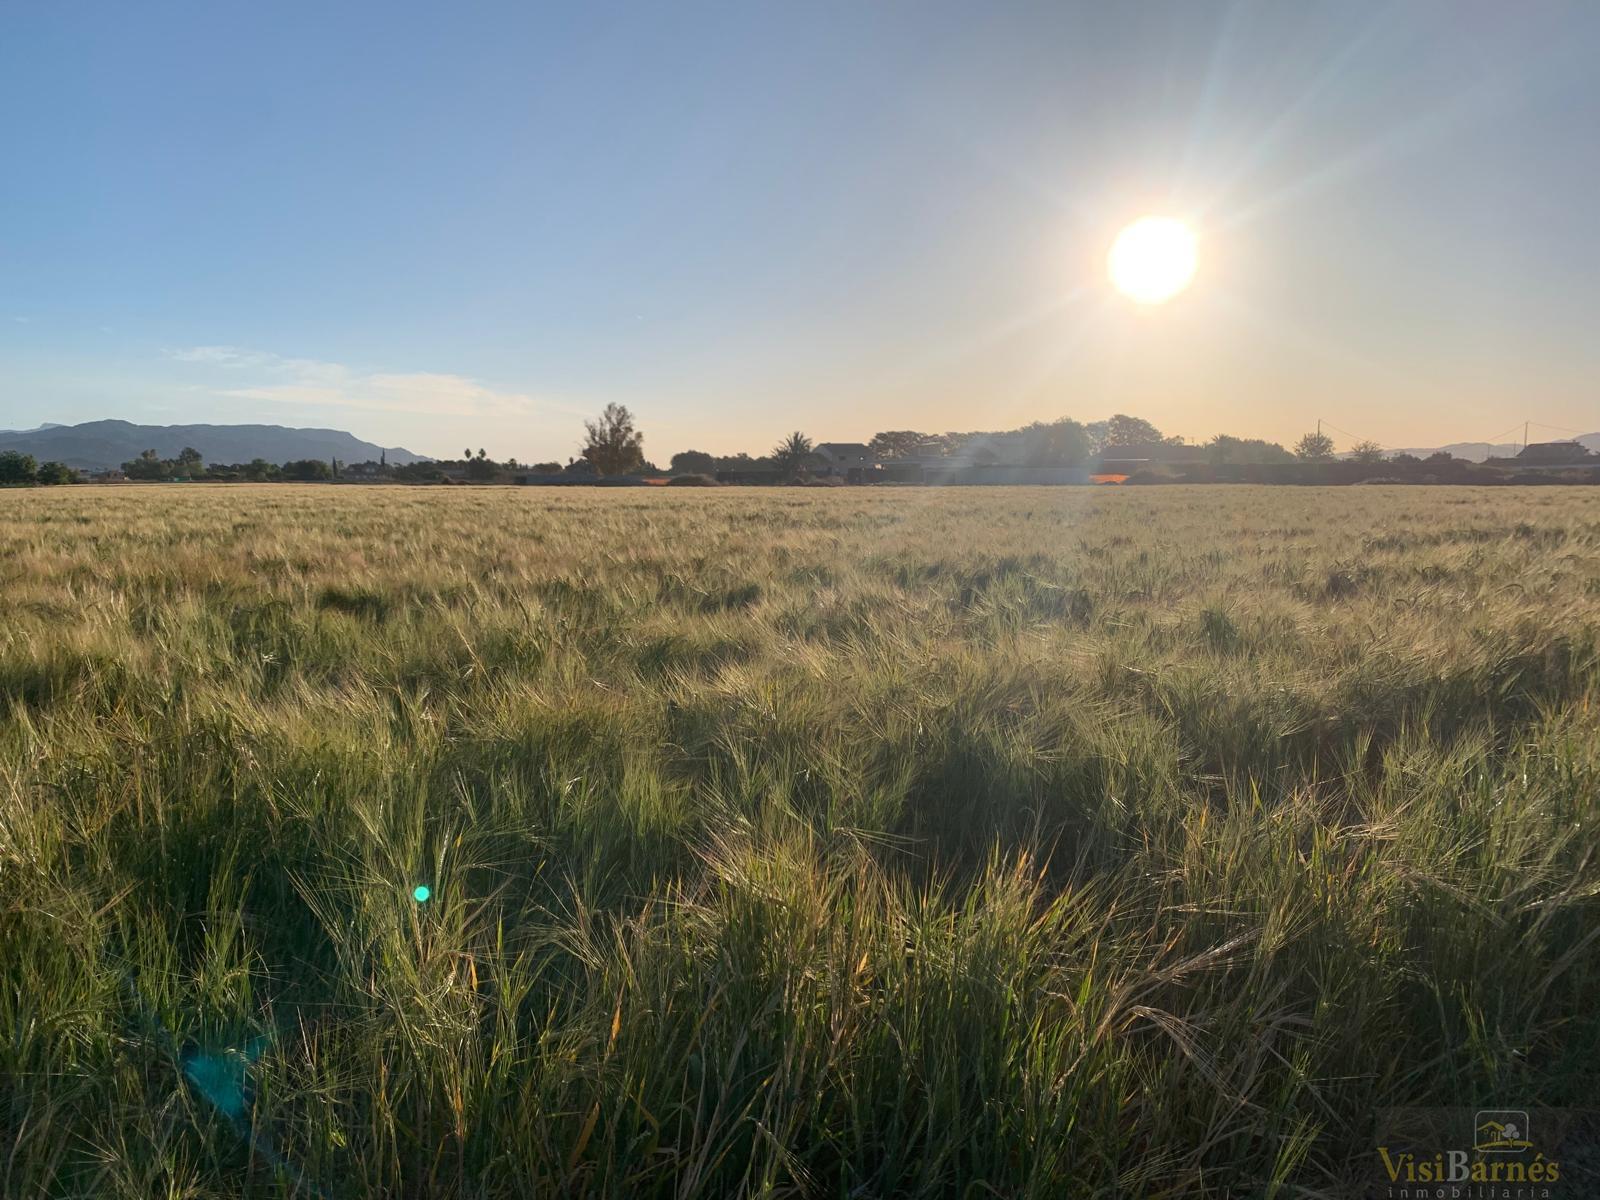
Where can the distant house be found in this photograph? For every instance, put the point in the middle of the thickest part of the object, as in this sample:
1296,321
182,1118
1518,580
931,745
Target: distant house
1553,454
1536,455
851,460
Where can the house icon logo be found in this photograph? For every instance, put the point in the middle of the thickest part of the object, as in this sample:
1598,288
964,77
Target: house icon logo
1501,1131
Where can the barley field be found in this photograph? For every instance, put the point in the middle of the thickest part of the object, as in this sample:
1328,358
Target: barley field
852,843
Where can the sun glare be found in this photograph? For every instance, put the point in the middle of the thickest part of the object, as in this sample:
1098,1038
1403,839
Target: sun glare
1152,260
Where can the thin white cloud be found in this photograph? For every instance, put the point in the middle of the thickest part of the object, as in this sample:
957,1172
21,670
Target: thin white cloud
214,355
238,358
431,395
308,383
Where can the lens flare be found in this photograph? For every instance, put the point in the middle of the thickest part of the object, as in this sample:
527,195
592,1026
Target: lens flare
421,893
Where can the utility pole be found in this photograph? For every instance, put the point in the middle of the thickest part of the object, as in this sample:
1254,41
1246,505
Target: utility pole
1525,434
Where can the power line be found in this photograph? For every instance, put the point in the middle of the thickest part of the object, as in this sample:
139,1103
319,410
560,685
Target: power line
1500,435
1346,432
1557,428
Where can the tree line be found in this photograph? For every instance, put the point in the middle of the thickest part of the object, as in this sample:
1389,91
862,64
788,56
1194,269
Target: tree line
22,470
613,445
150,467
1064,442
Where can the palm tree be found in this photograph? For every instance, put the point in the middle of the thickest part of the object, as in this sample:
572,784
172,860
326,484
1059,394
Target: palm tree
791,453
1366,452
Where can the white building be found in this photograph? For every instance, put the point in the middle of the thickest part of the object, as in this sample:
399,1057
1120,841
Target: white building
841,458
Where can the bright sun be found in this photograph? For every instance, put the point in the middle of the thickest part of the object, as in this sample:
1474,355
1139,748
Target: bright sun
1152,260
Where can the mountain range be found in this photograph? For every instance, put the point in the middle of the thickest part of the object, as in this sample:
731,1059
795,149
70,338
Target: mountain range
103,445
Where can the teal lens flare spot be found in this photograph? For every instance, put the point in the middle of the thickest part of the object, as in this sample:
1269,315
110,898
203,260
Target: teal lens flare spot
421,893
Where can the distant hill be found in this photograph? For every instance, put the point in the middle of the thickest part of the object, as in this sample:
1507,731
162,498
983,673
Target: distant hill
101,445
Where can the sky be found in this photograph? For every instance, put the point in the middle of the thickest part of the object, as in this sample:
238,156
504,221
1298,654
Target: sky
475,224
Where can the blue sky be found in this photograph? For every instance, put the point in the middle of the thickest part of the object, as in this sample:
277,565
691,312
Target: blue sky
477,223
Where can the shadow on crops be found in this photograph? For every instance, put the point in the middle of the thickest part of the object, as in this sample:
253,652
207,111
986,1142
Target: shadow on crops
1277,737
101,680
369,604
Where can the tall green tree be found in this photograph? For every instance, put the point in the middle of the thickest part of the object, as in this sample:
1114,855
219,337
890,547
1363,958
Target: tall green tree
1225,448
1314,447
480,466
17,468
1366,452
902,443
1123,430
1063,443
148,465
692,462
613,445
307,469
